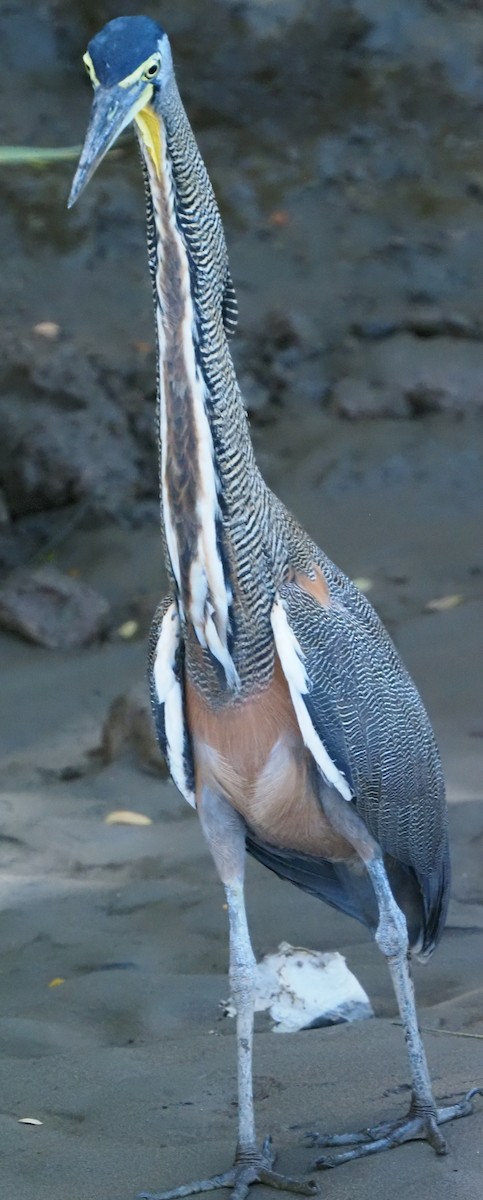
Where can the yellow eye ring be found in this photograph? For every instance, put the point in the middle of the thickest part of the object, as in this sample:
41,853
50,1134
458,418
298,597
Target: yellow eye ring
89,66
151,71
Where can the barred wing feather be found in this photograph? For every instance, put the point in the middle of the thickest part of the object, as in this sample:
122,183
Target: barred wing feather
353,693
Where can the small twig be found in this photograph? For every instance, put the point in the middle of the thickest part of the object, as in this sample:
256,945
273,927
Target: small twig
448,1032
42,156
33,156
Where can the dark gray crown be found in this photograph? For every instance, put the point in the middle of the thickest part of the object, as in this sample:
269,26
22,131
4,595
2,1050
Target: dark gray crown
122,45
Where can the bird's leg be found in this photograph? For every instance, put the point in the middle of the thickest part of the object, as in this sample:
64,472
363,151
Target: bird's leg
424,1118
224,830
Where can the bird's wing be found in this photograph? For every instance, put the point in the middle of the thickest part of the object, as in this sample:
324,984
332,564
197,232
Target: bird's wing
362,719
166,676
229,306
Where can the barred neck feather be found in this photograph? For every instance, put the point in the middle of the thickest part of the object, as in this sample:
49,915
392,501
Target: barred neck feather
215,504
229,541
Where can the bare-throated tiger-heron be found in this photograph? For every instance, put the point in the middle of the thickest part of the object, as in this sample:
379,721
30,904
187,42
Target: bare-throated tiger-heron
285,714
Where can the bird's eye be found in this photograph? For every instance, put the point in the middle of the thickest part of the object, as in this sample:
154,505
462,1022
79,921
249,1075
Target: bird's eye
89,69
152,70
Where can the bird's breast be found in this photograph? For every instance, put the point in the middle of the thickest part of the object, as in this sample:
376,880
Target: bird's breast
251,752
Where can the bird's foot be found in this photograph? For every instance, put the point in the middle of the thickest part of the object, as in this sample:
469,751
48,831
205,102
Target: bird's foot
248,1168
417,1125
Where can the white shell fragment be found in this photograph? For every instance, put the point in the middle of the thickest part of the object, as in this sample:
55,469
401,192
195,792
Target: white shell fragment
29,1121
305,988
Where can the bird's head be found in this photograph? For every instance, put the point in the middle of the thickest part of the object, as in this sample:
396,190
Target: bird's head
130,67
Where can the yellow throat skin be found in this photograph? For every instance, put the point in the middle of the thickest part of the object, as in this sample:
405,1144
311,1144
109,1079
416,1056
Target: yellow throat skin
149,126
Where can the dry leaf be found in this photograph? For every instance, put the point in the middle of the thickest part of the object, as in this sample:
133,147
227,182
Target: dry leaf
29,1121
364,585
56,982
128,629
443,603
123,816
47,329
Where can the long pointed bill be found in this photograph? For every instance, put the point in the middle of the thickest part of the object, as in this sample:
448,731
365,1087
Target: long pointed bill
113,108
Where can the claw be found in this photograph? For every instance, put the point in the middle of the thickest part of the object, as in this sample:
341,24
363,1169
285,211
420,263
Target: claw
248,1169
415,1126
327,1161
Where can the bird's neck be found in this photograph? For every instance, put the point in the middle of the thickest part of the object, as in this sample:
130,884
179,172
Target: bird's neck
212,495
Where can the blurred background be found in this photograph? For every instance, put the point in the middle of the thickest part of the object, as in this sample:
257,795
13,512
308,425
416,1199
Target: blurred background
344,141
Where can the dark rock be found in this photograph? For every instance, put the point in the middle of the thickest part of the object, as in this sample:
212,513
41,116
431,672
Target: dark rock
52,609
71,429
424,320
281,366
436,374
458,325
356,399
430,321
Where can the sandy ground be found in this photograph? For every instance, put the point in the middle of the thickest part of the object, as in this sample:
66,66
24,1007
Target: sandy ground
128,1063
348,169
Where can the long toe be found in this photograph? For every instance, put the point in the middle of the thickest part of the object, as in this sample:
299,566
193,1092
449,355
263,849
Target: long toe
239,1178
386,1135
256,1167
